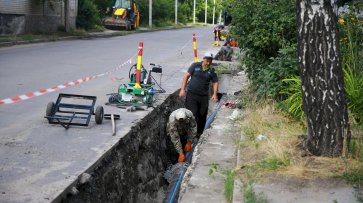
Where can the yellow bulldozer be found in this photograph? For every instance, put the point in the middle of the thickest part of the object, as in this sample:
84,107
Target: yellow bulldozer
124,16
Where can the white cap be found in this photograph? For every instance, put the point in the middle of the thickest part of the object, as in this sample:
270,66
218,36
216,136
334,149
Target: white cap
180,114
208,55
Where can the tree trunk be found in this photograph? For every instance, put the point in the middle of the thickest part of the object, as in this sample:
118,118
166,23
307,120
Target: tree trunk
322,79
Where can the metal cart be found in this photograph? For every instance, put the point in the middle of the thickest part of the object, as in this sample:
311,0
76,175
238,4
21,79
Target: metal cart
71,109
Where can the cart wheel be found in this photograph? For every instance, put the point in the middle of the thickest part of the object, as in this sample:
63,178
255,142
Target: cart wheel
50,109
99,114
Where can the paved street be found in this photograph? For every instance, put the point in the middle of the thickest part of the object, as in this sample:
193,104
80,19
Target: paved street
39,160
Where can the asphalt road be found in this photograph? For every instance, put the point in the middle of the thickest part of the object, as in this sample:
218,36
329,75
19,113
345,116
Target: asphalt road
39,160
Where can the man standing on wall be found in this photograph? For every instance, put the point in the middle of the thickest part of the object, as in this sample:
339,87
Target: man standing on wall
197,97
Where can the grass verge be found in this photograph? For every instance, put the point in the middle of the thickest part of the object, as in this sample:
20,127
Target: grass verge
250,195
273,147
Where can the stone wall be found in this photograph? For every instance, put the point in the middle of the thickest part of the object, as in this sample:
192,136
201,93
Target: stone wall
46,24
12,24
34,17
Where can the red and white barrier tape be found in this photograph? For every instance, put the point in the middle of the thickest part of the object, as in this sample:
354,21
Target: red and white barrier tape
59,87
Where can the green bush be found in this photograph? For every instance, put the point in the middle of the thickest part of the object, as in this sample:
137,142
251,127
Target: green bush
269,80
266,31
88,16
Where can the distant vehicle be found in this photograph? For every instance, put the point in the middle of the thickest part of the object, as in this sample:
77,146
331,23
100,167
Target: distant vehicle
124,16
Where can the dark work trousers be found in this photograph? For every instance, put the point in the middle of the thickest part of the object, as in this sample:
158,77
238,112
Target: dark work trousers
198,105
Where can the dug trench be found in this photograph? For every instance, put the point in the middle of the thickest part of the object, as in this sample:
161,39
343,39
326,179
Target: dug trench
132,171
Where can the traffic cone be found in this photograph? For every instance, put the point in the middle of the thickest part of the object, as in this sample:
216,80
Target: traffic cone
195,48
216,43
138,66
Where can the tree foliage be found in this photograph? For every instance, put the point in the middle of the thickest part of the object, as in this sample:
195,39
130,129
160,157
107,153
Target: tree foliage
163,11
265,30
104,7
351,40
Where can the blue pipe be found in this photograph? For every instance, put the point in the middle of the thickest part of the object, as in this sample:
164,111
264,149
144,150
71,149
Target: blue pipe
213,115
189,155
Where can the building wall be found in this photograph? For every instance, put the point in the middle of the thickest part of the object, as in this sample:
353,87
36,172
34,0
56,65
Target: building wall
29,16
14,7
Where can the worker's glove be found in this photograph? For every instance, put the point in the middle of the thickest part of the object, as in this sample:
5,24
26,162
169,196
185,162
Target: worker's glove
188,146
181,157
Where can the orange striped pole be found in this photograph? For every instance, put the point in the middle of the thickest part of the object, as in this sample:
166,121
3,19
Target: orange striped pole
138,66
217,40
195,48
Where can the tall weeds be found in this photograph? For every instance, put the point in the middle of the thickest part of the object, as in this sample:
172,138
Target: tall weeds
293,103
351,43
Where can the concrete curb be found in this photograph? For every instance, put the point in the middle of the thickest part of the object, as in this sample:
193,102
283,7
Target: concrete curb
90,35
237,189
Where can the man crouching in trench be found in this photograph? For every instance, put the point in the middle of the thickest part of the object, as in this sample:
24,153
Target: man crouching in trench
181,128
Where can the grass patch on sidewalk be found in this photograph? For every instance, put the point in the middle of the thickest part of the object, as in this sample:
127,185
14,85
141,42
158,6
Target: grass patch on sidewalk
228,175
229,184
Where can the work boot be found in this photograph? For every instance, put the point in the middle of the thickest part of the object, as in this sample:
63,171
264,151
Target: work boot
181,157
188,146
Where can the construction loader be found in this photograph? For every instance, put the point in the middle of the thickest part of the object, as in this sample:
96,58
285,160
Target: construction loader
124,16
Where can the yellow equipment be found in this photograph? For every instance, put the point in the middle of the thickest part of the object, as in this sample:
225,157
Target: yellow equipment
124,15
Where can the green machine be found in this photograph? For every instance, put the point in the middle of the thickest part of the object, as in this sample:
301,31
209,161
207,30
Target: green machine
143,95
